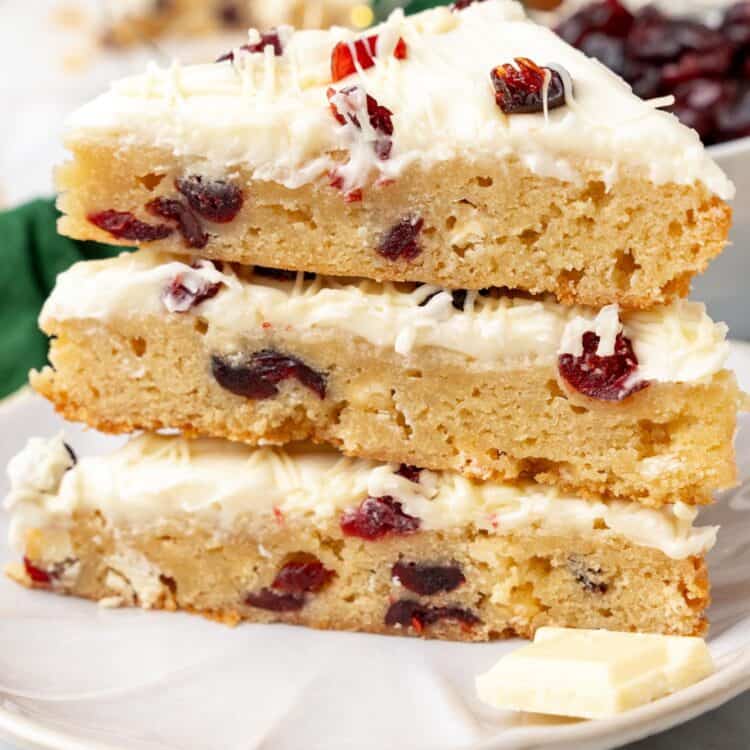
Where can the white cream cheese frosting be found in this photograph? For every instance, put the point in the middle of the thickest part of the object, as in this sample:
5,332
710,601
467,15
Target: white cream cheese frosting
271,114
674,343
155,478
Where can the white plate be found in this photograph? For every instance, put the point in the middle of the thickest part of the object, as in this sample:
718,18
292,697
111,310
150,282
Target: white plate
73,676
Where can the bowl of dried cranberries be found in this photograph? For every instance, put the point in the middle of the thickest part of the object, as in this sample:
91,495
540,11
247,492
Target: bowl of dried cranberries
704,64
703,60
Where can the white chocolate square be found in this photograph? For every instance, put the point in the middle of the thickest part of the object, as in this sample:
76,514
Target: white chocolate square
593,673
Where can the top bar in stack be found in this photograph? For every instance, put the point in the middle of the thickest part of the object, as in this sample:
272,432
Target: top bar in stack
464,147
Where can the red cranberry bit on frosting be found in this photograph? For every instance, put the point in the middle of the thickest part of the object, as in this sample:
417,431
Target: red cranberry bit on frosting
36,574
342,59
427,580
401,241
189,225
258,376
188,291
608,378
409,613
354,102
377,517
124,226
306,575
267,39
523,87
274,602
216,200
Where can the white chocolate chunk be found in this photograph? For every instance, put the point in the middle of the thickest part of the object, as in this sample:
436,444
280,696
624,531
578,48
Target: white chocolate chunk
593,674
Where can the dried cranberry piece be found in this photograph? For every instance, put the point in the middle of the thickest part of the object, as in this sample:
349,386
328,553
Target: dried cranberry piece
257,377
608,50
342,59
36,574
409,613
658,39
270,600
302,576
377,517
461,4
608,17
124,226
604,378
736,24
733,119
519,88
696,65
189,226
697,103
409,472
380,117
229,15
401,241
267,39
645,79
179,298
215,200
427,580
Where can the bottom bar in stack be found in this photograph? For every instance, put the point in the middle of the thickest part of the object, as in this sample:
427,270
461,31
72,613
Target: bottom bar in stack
306,536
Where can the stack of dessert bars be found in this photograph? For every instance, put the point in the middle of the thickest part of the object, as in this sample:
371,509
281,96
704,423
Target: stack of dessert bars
414,302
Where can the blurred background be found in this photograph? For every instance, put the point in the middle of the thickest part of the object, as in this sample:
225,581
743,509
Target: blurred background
58,54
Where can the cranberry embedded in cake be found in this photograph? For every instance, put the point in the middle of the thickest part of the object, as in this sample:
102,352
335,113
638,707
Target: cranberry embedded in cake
425,579
606,378
304,575
188,224
257,376
409,613
125,226
366,49
401,241
215,200
378,517
274,602
522,88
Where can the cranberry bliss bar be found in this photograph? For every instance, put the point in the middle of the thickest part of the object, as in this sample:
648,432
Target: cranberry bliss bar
465,147
631,405
305,536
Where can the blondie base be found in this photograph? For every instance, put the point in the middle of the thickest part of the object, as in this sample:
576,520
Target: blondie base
511,585
481,225
432,409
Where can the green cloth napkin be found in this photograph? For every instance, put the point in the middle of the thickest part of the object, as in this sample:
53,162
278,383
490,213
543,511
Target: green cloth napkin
33,254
